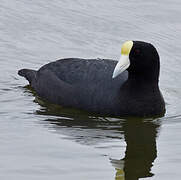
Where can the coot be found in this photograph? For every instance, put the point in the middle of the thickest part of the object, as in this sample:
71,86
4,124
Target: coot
128,87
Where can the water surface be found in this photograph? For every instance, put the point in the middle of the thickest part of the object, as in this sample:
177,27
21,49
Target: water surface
40,141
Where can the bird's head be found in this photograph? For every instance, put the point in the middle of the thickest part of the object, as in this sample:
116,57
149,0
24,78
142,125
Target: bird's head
139,58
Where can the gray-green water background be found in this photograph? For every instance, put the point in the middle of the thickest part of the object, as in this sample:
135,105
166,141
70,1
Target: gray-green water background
40,142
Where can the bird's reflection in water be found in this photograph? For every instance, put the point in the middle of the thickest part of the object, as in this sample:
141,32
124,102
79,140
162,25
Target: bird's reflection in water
139,134
140,137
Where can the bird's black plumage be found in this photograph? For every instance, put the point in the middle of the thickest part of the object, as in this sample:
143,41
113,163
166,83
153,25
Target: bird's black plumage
87,84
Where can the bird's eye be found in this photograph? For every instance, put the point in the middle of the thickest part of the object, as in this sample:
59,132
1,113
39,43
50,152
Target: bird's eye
136,52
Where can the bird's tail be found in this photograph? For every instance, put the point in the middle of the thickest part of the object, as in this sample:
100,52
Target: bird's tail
29,74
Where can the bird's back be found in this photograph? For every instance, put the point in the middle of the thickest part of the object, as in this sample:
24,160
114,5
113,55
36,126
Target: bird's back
83,83
85,72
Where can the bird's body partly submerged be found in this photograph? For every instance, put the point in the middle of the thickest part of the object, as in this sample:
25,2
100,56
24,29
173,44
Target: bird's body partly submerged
87,84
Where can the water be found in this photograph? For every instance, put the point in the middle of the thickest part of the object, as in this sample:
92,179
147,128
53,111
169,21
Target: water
39,141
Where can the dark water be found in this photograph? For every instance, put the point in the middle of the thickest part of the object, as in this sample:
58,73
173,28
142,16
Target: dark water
41,141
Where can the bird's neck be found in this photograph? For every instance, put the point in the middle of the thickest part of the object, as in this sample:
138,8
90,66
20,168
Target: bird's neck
141,84
142,79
